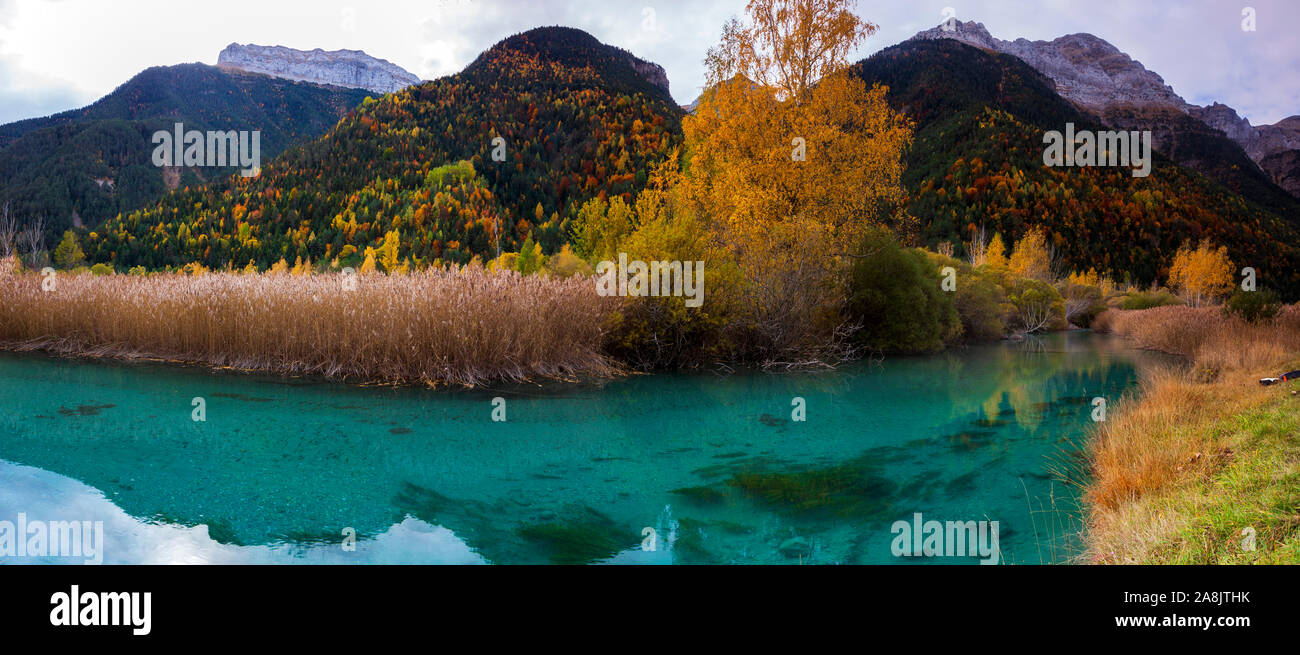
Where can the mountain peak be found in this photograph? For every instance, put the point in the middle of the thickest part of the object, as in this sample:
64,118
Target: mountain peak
1087,70
346,68
574,48
968,32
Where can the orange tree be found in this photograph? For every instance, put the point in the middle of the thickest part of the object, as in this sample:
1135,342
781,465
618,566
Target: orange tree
1202,275
790,158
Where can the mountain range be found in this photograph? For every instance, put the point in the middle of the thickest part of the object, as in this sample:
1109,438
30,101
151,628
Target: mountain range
543,121
506,152
1109,84
81,167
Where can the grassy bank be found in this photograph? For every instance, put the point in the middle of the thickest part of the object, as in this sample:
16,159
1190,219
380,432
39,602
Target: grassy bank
433,327
1206,457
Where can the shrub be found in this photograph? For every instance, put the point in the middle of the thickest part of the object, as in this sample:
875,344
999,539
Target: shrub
1149,299
896,295
1253,306
659,332
980,300
981,305
1038,306
1083,302
101,269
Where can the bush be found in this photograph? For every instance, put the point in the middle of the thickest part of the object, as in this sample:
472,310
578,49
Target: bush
663,332
981,304
980,300
897,296
1149,299
1037,306
1253,306
1083,302
101,269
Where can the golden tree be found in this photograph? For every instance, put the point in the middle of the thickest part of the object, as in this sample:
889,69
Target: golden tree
1202,275
791,157
388,251
1034,257
996,255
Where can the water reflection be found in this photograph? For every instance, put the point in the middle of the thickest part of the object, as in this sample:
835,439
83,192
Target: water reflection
48,497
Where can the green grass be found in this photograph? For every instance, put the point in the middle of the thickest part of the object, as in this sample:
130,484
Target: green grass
1255,483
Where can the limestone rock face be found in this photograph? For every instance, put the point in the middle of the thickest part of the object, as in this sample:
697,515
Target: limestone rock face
1259,142
347,68
1087,70
652,72
1100,78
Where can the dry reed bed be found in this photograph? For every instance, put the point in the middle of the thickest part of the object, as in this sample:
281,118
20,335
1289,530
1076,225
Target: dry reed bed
462,327
1160,440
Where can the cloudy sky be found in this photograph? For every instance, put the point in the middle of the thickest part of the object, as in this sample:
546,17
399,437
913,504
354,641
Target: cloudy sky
61,54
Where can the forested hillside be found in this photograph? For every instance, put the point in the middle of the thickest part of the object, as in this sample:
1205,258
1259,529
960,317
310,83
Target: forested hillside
575,118
977,161
87,165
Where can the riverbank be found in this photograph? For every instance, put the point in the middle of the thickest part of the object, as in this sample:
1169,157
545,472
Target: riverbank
1203,468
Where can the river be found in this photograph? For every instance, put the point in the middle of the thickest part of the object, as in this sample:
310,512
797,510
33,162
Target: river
675,468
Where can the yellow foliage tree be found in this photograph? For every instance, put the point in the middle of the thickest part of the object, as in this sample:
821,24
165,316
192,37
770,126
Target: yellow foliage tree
1202,275
301,267
567,264
368,266
601,227
997,252
1033,257
792,158
388,251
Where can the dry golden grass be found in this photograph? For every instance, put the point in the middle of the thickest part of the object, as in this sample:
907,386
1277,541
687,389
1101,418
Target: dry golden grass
1167,439
460,327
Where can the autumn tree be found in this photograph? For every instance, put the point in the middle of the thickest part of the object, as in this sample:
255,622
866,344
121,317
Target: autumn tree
68,253
1202,275
996,255
388,251
1034,257
792,158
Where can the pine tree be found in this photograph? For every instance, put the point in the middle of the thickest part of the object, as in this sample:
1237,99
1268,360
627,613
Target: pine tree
68,254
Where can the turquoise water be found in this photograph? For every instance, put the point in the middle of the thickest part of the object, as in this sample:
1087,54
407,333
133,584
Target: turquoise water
714,464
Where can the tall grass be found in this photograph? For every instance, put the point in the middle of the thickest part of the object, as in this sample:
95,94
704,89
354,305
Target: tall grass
463,327
1155,448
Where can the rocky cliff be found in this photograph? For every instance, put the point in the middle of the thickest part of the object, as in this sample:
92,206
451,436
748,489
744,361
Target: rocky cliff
1100,78
1087,70
346,68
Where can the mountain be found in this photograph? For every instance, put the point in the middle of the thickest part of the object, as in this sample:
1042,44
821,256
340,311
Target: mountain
1086,70
347,68
81,167
1275,148
572,118
977,160
1109,84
